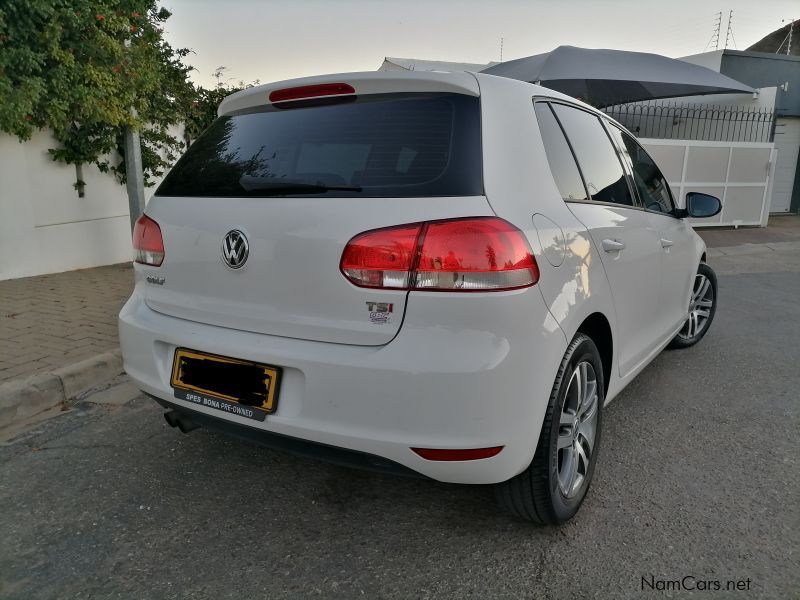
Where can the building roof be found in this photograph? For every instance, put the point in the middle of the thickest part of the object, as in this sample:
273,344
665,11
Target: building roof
414,64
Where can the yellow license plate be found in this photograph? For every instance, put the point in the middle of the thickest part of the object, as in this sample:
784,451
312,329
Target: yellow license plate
236,386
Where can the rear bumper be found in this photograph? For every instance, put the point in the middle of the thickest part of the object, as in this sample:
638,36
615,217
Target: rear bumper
469,371
276,441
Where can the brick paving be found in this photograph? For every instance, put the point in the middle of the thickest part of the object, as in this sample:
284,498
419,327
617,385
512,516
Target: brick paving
55,320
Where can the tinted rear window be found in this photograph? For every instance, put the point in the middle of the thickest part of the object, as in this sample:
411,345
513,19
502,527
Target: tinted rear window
385,145
597,157
559,156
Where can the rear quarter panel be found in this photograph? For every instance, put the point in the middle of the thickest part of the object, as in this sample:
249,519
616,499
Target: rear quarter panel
519,185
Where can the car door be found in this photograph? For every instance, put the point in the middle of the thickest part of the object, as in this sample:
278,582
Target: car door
675,235
622,232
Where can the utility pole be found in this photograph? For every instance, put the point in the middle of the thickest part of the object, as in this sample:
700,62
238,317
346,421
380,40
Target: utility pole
501,49
134,177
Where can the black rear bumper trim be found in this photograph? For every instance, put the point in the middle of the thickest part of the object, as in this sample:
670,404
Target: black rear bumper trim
342,457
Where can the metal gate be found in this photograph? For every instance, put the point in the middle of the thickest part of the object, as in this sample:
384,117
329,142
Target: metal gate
740,174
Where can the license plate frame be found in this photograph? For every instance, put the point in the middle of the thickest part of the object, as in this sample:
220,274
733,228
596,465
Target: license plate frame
215,398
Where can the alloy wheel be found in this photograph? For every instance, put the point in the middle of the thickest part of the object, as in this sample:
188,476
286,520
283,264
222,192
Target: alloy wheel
577,429
700,304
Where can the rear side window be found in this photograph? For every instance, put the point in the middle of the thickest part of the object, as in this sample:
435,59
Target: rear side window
559,156
389,145
596,156
652,185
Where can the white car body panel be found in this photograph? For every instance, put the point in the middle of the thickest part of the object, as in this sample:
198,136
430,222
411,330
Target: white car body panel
438,384
454,370
578,287
628,270
681,253
295,247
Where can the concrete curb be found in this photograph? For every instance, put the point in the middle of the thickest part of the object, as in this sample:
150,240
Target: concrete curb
21,399
744,249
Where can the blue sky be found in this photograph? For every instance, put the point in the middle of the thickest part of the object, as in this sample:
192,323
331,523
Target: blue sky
271,40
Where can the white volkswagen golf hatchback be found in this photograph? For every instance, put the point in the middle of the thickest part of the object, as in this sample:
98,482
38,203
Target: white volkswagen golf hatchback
439,274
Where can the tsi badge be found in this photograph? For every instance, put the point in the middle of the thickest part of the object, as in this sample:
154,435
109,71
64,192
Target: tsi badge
380,312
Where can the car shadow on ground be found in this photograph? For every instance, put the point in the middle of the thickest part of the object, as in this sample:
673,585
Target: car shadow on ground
303,491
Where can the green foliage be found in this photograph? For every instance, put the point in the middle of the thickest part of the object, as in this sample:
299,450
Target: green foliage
86,69
203,109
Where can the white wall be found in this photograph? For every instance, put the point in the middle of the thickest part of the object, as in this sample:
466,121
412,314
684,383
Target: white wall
787,141
764,100
44,226
711,60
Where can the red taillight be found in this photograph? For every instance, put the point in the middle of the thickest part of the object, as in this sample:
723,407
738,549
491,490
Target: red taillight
460,255
442,454
148,245
304,92
382,258
475,254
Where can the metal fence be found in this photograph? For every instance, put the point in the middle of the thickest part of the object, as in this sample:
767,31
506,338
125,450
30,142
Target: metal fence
688,121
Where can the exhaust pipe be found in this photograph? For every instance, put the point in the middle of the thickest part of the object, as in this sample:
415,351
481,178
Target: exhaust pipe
182,422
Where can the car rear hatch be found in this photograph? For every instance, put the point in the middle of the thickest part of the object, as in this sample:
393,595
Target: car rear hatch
294,180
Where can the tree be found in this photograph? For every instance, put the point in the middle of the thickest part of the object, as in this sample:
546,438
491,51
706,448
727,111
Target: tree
88,68
203,108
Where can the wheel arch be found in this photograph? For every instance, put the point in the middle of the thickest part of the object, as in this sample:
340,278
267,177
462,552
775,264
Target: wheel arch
597,327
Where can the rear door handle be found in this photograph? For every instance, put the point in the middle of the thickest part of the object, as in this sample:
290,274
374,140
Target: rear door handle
665,243
613,245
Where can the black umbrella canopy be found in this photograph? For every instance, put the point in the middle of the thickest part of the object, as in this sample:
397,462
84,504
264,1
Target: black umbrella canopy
608,77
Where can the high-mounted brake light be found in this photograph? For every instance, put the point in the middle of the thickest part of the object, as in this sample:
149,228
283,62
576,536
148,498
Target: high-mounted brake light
458,255
445,454
305,92
148,245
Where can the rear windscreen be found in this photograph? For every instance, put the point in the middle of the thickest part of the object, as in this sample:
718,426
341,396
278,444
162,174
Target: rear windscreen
387,145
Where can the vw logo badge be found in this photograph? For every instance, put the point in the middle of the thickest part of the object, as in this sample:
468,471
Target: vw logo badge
235,249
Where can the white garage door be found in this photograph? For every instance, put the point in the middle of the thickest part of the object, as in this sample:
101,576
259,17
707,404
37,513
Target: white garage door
787,142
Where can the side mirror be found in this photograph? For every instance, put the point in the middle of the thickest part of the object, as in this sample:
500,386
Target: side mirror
701,206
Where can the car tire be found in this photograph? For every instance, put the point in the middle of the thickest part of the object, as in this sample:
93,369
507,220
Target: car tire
702,308
552,489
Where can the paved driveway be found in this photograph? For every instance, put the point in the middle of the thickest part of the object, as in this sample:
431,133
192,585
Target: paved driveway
52,321
698,477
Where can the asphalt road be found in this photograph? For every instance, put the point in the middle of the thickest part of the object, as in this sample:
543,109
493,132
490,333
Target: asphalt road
698,476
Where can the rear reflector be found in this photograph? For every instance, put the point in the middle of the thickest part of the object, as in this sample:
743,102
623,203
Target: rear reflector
460,454
460,255
304,92
148,245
